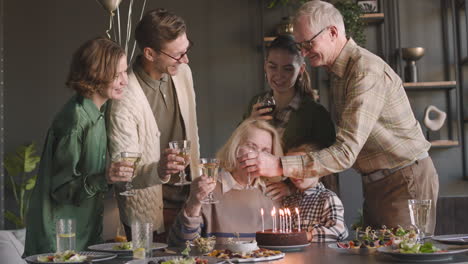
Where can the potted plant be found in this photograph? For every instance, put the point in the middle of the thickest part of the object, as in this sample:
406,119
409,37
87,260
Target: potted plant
20,169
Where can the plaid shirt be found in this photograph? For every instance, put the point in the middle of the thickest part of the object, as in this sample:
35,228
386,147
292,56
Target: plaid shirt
322,213
281,117
376,128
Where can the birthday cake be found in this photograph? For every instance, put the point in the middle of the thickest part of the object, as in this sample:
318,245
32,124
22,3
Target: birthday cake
270,238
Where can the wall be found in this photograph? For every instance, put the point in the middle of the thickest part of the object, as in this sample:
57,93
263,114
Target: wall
40,36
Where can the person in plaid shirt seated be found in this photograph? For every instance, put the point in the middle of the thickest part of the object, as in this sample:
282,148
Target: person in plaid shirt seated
322,212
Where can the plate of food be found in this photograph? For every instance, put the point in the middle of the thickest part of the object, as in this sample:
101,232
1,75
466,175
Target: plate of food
177,260
261,254
456,239
365,243
417,252
122,248
70,256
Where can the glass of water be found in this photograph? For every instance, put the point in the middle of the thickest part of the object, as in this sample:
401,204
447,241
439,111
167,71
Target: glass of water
65,230
419,213
142,239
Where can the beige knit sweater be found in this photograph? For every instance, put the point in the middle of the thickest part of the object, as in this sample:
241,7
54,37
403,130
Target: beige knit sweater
132,127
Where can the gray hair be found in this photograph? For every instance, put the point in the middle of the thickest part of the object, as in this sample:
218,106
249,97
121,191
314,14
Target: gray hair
321,14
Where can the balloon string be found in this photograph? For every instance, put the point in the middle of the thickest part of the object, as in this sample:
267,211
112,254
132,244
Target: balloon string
134,41
111,15
118,26
129,26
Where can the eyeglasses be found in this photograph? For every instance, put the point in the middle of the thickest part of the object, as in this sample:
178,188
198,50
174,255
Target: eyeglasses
182,55
307,44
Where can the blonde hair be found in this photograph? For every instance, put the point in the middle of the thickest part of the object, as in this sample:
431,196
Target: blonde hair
321,15
227,153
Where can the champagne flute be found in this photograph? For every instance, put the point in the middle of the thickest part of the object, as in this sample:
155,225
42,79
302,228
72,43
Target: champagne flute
268,101
243,150
210,168
183,148
135,158
419,213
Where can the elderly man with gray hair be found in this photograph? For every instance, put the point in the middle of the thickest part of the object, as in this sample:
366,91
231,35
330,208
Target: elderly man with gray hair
377,133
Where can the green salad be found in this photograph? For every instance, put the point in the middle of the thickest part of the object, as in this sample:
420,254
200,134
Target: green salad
67,256
415,248
123,246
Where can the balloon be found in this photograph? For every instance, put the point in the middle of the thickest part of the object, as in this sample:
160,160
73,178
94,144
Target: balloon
109,5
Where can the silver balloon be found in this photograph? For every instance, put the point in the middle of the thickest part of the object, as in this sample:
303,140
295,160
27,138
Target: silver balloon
109,5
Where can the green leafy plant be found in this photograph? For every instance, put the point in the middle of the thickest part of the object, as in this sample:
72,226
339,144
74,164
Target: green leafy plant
274,3
20,167
359,221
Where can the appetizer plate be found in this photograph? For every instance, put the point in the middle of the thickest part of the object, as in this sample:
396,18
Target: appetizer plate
356,251
91,256
457,239
287,248
267,256
109,247
155,260
422,257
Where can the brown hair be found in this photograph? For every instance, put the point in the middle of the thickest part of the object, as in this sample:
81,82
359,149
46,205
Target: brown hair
157,27
287,43
94,66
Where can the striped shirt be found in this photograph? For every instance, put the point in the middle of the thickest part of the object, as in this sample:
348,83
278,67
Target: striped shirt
322,213
376,128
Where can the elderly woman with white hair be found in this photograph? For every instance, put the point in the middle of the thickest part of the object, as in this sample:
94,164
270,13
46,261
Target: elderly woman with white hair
238,207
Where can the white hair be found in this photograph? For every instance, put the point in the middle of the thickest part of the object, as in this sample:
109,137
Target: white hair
321,15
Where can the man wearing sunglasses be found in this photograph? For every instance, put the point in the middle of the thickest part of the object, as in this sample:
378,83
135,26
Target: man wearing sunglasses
377,133
158,107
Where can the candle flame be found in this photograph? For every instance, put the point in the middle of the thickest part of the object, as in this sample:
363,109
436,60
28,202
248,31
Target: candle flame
261,211
297,211
281,212
289,212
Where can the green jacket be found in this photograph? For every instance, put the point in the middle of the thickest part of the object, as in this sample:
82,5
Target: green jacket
71,178
310,123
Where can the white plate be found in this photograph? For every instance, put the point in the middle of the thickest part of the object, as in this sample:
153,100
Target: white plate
96,256
211,260
108,247
456,239
286,248
422,257
241,260
356,251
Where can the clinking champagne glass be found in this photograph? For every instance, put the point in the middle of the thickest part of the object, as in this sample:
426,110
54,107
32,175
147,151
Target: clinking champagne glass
183,148
210,168
243,150
135,158
268,101
419,213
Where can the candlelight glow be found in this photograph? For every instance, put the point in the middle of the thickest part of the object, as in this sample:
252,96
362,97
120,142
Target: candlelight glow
261,211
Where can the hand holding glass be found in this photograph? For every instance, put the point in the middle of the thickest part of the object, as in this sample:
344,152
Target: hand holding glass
246,149
267,101
65,230
419,213
133,157
210,168
183,148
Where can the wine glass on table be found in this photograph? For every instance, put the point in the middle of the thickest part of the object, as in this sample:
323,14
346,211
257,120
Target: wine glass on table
419,213
267,101
183,151
246,149
209,167
134,158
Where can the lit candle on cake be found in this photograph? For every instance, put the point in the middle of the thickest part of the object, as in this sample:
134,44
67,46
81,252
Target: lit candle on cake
298,220
281,220
289,219
273,216
263,223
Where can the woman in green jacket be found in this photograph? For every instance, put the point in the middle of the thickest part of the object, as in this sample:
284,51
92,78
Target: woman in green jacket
297,116
72,180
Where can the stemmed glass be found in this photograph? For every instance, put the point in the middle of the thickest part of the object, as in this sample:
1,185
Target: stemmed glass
183,148
243,150
210,168
419,213
268,101
135,158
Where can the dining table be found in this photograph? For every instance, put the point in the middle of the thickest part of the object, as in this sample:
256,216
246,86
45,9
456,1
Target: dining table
318,253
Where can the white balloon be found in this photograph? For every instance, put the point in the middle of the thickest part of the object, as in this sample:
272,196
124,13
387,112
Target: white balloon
109,5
